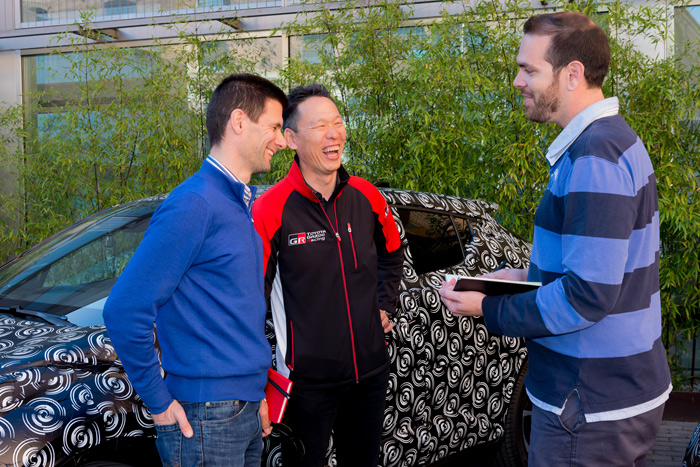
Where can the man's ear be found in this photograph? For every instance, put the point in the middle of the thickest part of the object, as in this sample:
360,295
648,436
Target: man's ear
291,138
575,75
237,120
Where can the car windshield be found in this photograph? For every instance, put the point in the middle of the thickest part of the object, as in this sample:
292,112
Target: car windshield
72,273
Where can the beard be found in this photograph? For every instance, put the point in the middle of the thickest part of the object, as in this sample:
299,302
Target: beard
544,104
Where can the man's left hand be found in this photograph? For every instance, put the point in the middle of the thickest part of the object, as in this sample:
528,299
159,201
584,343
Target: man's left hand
386,324
265,418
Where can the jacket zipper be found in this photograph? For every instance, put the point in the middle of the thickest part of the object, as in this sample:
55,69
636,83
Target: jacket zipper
345,284
352,242
291,338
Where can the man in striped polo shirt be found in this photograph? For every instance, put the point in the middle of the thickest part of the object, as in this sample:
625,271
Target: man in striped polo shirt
598,375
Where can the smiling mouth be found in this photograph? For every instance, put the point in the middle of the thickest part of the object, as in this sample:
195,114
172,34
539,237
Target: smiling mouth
332,151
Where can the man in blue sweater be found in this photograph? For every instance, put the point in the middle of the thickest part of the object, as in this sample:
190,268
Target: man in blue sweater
598,375
198,273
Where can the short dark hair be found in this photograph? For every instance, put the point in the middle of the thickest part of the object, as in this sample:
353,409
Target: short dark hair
244,91
574,37
299,95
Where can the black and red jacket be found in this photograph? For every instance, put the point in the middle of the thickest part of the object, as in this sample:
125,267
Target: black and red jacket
328,271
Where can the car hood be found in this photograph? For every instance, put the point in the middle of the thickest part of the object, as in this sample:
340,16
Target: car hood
62,391
28,345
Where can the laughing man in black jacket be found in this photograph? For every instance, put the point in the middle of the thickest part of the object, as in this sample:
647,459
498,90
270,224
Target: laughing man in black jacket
333,262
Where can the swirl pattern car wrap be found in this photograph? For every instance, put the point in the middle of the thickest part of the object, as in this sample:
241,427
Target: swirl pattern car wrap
62,392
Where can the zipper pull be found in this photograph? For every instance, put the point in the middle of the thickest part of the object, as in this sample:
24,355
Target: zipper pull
337,235
349,228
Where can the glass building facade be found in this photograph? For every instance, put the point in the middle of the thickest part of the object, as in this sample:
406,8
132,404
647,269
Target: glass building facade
36,13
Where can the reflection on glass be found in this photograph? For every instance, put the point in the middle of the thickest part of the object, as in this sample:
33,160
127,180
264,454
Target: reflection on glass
308,47
432,238
263,54
78,267
687,28
687,37
52,12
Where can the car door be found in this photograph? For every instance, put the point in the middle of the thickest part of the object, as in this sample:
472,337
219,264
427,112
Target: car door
418,397
405,418
457,377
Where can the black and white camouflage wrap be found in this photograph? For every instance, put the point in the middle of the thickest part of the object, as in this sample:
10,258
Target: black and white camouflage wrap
62,392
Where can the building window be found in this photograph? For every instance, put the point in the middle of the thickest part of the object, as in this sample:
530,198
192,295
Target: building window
308,47
53,12
264,54
119,8
687,30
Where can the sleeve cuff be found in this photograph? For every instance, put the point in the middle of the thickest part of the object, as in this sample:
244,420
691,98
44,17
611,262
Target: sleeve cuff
489,306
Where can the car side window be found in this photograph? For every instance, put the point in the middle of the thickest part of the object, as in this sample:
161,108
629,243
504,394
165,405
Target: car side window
432,238
464,230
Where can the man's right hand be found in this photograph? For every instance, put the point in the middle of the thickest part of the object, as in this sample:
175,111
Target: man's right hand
386,324
174,414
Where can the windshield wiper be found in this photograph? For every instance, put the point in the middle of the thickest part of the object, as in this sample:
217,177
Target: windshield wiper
19,312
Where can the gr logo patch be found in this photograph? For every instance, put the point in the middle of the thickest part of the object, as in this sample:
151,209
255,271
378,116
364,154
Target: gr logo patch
297,239
307,237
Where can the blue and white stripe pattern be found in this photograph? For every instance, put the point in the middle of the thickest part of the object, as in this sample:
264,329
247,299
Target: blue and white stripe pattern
595,325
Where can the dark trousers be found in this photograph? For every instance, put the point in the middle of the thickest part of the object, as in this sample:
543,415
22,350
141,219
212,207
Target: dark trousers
568,440
355,413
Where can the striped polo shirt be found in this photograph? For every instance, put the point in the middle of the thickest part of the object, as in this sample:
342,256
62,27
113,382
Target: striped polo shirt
595,325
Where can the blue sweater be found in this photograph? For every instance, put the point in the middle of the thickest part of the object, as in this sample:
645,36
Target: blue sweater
198,273
595,324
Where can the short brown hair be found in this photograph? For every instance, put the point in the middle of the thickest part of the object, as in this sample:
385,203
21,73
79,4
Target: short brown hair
244,91
574,37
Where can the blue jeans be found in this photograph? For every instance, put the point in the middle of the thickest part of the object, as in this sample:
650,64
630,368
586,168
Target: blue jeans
226,434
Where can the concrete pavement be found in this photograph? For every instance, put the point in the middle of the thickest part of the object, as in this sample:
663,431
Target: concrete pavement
671,443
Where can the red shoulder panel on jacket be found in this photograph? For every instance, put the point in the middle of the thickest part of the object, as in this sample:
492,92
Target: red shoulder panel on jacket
267,214
381,209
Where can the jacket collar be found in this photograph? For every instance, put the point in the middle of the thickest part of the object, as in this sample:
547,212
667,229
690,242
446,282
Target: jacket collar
296,178
247,192
225,184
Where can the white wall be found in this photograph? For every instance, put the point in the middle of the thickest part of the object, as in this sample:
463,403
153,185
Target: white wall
11,82
7,15
10,94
